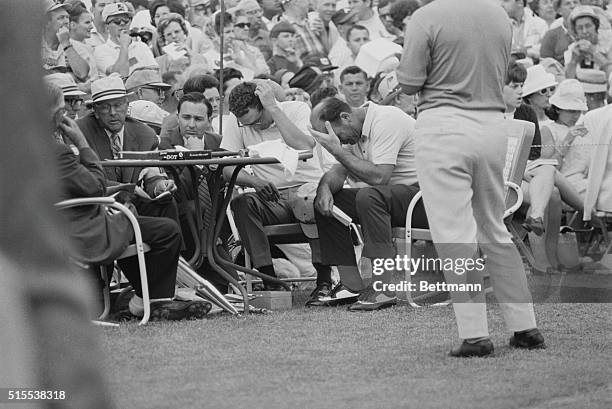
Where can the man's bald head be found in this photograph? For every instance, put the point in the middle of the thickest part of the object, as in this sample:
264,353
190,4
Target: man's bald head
341,118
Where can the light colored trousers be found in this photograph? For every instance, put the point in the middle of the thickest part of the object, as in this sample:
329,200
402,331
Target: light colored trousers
460,156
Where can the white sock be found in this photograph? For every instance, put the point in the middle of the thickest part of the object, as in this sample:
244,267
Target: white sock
136,306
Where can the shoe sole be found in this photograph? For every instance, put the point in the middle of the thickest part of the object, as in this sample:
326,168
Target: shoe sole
194,310
474,355
528,347
370,307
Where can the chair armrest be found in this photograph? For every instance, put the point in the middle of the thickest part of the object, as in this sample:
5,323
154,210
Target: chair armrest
64,204
112,203
519,198
411,206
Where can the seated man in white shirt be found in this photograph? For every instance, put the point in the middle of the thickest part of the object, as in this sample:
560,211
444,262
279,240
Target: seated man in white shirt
258,117
121,53
381,158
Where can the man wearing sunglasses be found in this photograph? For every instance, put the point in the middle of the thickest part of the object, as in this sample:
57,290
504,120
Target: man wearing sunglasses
147,85
121,53
258,117
73,97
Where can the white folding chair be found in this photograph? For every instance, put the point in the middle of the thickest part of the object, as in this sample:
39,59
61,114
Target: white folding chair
520,136
139,249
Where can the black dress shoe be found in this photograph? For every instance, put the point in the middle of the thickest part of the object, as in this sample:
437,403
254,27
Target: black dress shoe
478,349
319,296
531,339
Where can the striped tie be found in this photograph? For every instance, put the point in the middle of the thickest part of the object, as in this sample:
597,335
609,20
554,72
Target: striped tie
116,145
116,148
205,201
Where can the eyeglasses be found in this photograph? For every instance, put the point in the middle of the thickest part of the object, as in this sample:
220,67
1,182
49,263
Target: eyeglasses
160,91
201,8
546,91
258,121
253,12
75,103
243,25
105,108
120,21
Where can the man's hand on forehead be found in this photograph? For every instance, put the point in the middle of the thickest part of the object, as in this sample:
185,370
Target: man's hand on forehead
329,140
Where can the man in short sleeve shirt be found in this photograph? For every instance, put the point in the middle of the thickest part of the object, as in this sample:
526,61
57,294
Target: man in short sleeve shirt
460,151
258,117
374,147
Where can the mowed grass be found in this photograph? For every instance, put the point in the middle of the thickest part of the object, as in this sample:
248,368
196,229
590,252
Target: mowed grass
330,358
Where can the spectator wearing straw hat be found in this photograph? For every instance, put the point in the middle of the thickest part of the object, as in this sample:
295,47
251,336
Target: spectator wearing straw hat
121,53
587,52
58,53
73,97
109,131
147,84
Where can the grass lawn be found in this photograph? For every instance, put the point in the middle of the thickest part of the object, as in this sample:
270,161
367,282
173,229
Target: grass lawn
330,358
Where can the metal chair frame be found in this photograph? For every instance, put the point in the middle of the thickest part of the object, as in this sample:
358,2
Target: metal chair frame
139,249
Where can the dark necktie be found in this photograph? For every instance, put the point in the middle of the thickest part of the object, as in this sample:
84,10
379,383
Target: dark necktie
116,145
116,148
205,201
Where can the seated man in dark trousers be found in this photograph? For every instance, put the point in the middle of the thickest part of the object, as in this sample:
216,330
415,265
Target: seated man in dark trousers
257,117
381,159
99,238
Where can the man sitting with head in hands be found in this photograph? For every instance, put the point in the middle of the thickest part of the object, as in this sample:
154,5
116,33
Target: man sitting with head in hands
258,117
374,146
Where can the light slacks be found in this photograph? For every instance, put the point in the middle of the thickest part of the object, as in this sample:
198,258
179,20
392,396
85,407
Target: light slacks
460,157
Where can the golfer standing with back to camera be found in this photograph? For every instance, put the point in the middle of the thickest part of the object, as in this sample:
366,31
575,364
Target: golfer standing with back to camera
456,59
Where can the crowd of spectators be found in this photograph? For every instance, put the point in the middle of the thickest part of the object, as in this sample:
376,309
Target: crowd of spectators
317,75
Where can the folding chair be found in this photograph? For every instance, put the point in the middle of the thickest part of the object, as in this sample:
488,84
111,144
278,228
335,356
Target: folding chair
520,136
288,233
139,249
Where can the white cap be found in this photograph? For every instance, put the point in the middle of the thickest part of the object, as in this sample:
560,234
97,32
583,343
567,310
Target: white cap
147,112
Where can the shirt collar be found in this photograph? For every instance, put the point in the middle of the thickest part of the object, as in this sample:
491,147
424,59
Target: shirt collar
366,128
120,133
